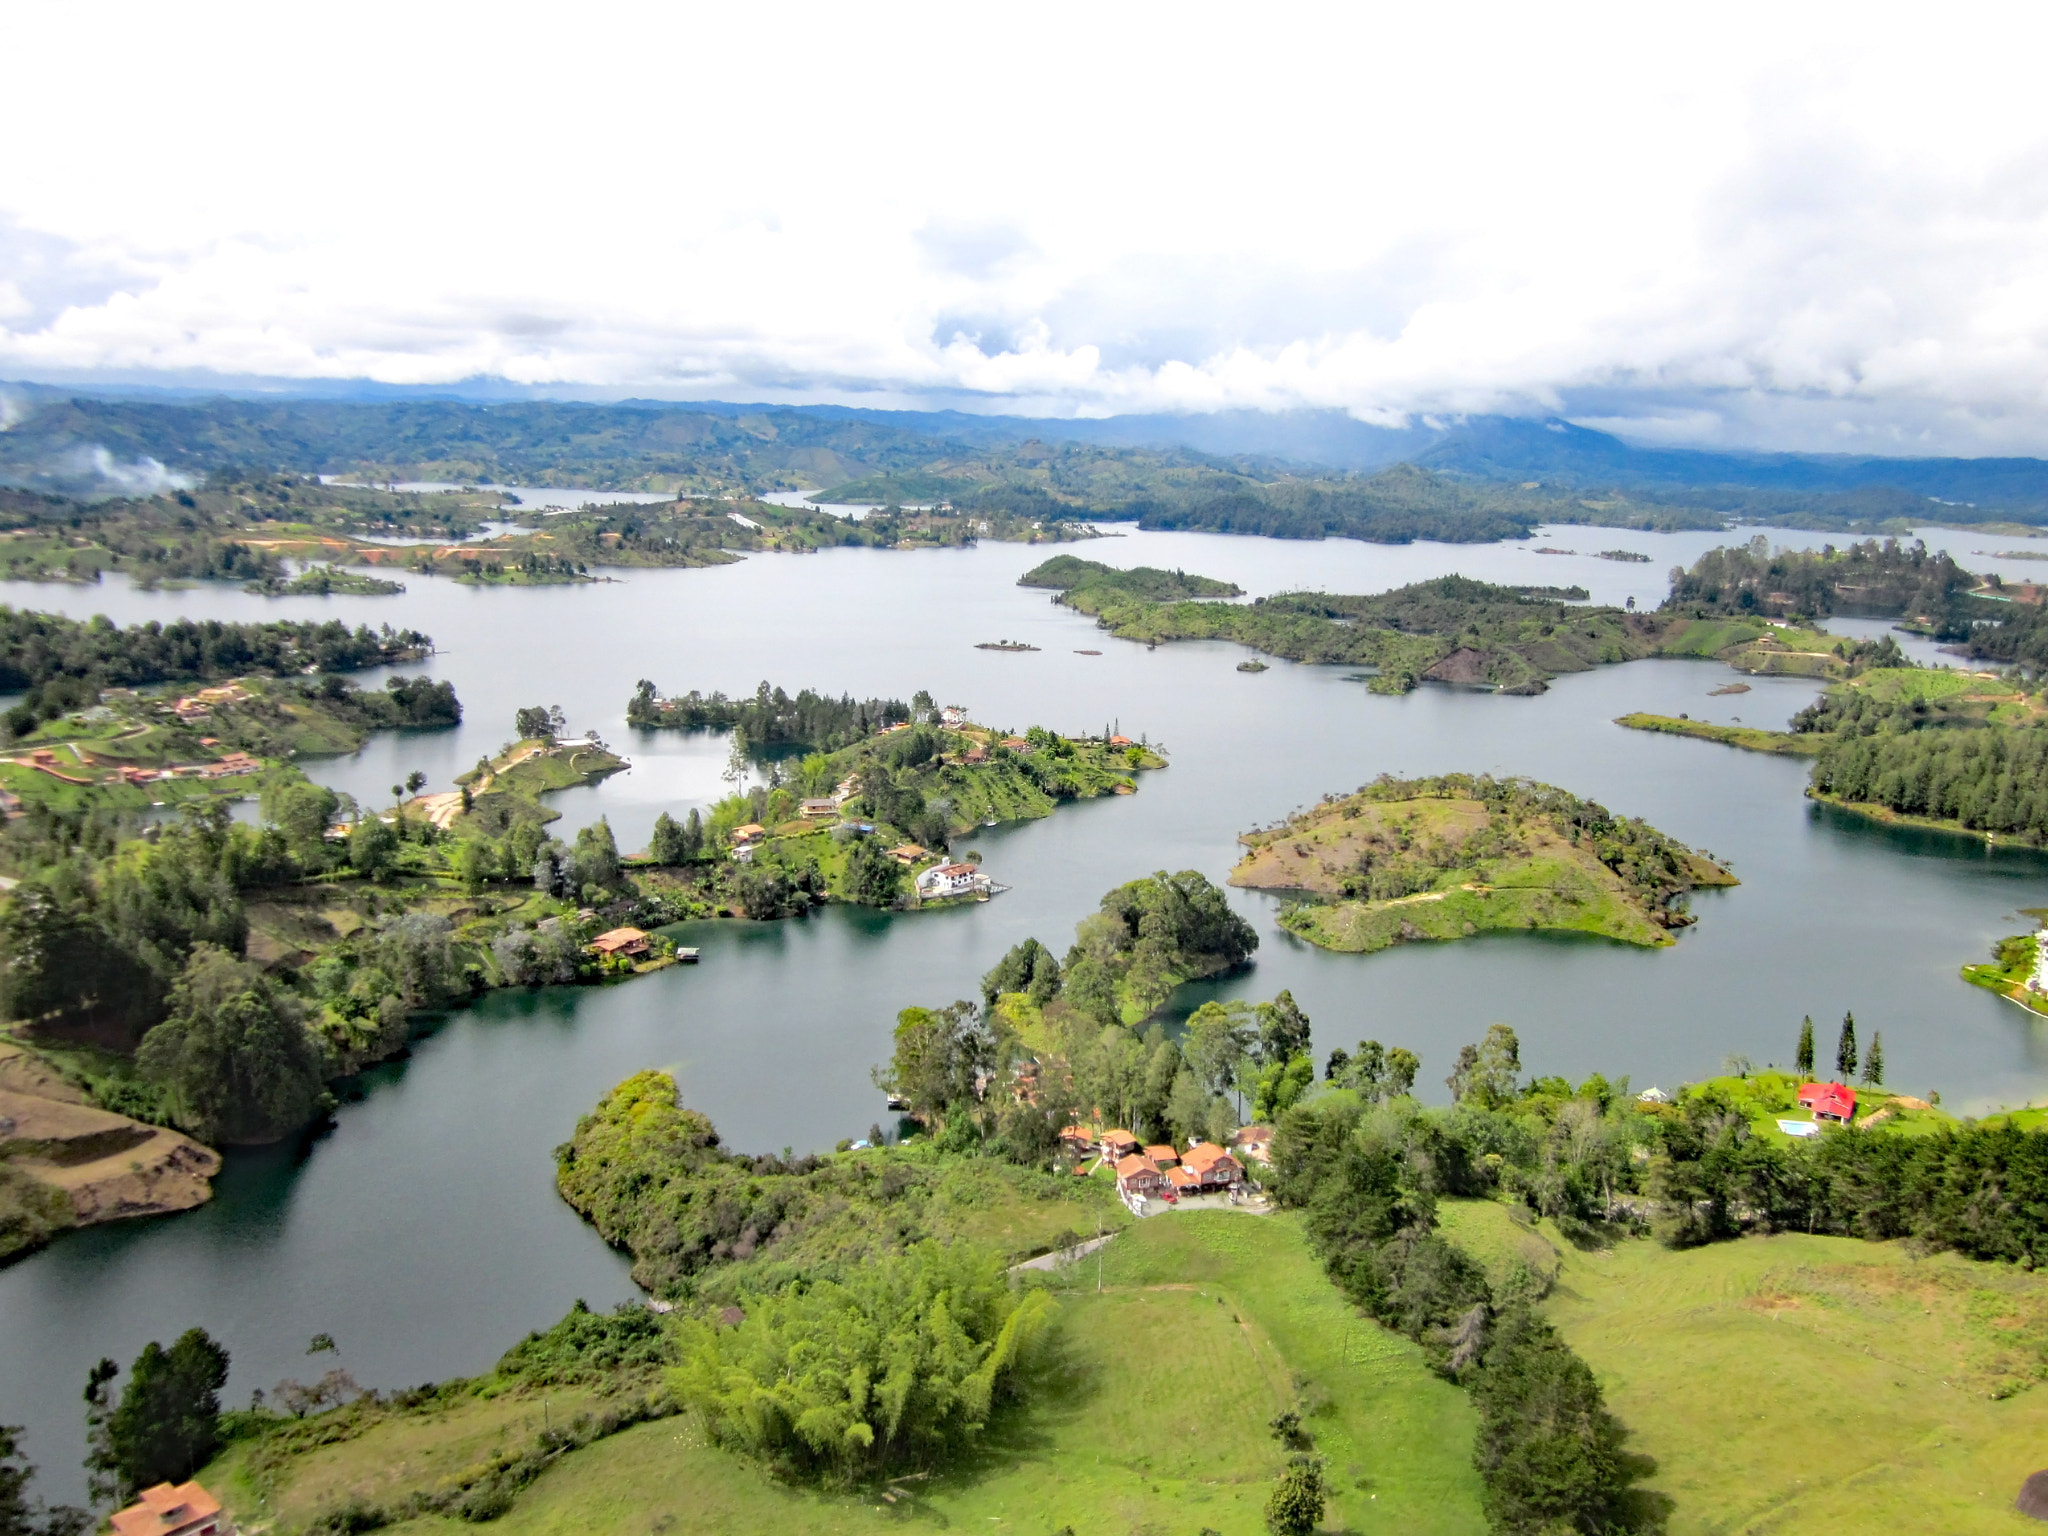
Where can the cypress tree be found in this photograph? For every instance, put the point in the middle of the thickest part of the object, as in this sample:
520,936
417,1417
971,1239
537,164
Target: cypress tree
1845,1049
1804,1060
1873,1064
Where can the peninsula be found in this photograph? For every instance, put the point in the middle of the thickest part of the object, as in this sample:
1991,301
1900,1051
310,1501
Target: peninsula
1403,860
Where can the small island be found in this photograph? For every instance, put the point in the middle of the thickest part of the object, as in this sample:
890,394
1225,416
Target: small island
1404,860
2018,969
1254,665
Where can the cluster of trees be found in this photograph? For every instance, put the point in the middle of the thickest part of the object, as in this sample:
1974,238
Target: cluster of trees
771,718
1396,506
1845,1053
1064,573
901,1359
1148,937
1500,635
1993,779
165,1424
1548,1450
1887,578
37,647
407,703
966,1072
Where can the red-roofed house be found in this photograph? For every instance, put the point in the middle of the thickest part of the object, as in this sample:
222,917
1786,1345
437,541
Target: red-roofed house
1182,1182
186,1510
1077,1138
1829,1101
1214,1167
1164,1156
1136,1175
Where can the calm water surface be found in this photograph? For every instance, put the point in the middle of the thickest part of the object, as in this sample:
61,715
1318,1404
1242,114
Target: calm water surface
422,1229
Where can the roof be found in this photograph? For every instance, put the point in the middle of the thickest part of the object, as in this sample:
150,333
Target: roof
164,1508
1205,1155
1119,1139
1162,1154
751,829
1829,1099
1134,1164
906,851
952,869
1250,1133
1121,741
1076,1133
617,939
1180,1178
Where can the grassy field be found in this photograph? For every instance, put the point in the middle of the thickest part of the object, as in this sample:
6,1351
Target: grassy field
1149,1414
1787,1383
1467,877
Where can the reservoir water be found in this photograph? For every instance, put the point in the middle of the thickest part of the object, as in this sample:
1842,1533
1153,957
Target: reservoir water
422,1231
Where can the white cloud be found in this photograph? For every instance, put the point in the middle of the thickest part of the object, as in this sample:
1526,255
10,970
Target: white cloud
1788,226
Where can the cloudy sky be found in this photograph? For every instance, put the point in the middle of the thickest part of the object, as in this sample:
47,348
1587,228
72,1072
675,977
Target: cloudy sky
1792,226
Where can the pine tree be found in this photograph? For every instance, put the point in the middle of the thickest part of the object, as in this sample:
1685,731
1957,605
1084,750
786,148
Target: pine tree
1873,1064
1845,1049
1804,1061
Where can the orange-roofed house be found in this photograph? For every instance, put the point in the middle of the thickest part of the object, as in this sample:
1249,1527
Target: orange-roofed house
1164,1156
908,854
1121,741
1077,1138
1181,1182
186,1510
1117,1144
749,832
1212,1165
1136,1175
630,942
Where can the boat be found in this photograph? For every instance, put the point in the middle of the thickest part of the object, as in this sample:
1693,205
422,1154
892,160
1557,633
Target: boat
687,956
898,1103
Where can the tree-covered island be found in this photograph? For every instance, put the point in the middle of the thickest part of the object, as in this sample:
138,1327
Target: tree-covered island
1455,630
1404,860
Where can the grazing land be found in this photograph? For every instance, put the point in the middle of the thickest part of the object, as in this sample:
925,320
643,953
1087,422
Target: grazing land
1220,1319
1402,861
1932,1415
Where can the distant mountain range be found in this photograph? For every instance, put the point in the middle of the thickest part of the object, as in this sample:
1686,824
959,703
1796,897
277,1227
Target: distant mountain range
83,442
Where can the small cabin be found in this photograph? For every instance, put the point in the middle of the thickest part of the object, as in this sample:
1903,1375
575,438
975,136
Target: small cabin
630,942
820,806
1254,1141
1163,1155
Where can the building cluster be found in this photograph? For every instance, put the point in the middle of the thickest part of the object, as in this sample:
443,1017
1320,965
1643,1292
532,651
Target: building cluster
198,706
1161,1172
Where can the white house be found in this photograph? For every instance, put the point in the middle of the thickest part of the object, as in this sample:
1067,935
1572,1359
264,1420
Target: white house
950,880
2040,978
953,714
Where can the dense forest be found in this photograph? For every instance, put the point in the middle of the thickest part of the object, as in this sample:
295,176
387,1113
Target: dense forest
770,718
1888,578
39,648
1990,779
1449,629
